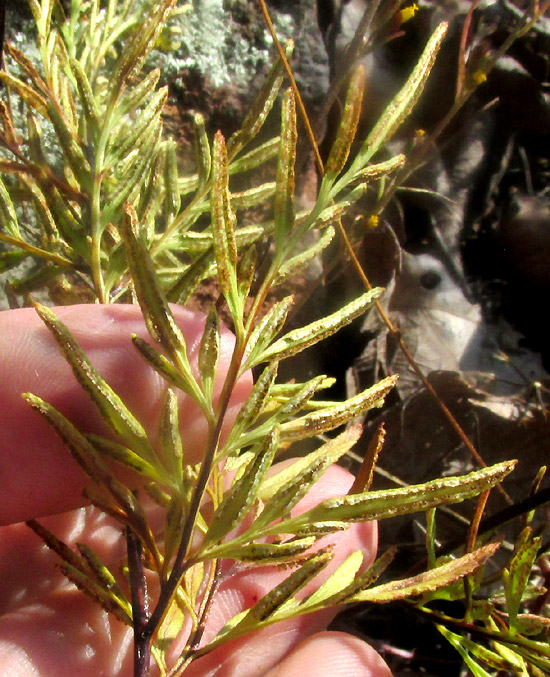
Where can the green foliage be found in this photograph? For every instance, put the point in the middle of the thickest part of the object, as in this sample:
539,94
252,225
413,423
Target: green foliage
113,220
494,634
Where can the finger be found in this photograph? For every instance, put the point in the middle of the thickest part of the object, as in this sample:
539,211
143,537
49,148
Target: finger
332,654
39,477
69,635
86,643
254,655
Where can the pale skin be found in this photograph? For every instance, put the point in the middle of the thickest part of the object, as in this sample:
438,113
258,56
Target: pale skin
49,629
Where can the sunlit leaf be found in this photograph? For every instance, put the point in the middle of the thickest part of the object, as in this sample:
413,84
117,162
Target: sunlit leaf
113,411
284,194
331,417
429,580
26,92
348,126
209,352
388,503
403,103
240,498
266,329
223,225
344,584
202,150
274,599
286,491
463,645
300,261
157,313
518,573
253,406
264,554
170,439
331,451
173,199
141,42
300,339
8,216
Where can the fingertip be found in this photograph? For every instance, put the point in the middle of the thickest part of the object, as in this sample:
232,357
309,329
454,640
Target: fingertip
332,654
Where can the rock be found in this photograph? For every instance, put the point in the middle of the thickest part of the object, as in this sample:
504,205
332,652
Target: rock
226,51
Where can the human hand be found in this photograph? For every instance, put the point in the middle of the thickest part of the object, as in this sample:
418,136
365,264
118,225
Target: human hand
47,627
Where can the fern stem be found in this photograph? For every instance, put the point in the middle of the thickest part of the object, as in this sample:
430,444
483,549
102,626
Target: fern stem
138,590
98,166
193,644
179,566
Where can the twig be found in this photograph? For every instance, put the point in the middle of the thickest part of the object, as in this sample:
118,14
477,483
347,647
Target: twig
2,32
179,566
140,603
195,640
461,76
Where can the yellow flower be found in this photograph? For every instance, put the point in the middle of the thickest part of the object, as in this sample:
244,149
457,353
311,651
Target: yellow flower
479,76
407,13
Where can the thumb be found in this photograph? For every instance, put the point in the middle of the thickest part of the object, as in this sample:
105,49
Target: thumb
332,654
